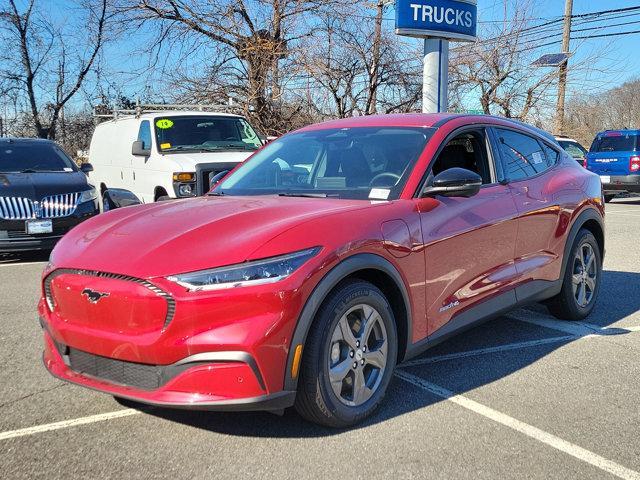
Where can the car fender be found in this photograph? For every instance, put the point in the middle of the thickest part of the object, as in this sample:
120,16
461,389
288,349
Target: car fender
346,267
586,215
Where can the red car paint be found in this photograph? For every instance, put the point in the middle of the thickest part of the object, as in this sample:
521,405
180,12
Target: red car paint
451,254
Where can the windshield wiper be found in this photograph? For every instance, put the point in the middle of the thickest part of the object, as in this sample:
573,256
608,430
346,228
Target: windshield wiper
308,195
28,170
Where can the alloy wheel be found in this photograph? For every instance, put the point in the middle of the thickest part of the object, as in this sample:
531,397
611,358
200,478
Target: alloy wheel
585,275
357,355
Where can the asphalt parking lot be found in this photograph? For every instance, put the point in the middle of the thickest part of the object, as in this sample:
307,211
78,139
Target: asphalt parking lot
523,396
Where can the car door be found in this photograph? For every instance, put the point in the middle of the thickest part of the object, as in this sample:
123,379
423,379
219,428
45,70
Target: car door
140,177
538,189
469,242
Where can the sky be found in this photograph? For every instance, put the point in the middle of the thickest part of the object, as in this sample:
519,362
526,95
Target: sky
611,61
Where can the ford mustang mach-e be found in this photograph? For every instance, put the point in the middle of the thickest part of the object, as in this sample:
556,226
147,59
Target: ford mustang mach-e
331,255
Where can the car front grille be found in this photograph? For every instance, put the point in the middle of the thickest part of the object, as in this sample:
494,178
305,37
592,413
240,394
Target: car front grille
54,206
137,375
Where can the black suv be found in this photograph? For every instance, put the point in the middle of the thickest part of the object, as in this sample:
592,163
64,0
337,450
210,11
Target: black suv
43,194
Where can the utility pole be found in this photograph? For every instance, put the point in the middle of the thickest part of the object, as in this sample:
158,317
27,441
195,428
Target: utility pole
562,80
375,61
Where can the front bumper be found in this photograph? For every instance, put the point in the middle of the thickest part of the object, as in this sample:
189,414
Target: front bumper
223,381
622,183
13,237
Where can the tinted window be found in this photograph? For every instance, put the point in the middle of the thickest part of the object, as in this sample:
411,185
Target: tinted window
522,155
144,134
205,133
38,157
551,155
615,143
358,163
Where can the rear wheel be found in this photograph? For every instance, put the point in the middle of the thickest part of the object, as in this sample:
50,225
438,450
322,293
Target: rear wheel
581,281
349,356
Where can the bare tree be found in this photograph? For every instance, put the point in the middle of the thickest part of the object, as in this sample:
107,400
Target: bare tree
48,70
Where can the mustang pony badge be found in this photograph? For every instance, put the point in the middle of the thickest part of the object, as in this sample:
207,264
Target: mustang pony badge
93,296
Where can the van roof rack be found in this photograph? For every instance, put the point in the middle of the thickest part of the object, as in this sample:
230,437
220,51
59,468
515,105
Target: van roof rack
140,109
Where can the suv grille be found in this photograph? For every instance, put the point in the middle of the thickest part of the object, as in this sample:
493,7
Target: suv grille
54,206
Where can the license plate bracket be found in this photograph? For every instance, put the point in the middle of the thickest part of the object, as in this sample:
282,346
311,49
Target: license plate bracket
38,227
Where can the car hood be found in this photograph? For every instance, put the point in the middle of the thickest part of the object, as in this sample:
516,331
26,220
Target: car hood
188,161
187,235
36,186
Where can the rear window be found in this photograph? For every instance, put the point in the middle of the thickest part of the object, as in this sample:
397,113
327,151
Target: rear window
615,143
573,148
33,157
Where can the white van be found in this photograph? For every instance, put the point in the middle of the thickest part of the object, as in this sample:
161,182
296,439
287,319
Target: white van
166,154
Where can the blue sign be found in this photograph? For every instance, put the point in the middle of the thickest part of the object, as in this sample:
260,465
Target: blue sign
450,19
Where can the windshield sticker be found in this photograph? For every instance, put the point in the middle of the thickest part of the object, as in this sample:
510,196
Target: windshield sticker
537,158
164,123
379,193
164,146
67,169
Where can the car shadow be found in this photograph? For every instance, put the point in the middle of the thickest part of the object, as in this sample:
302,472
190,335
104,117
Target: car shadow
24,257
619,298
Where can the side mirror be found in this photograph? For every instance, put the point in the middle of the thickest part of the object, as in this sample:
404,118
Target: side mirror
213,181
454,182
86,168
137,149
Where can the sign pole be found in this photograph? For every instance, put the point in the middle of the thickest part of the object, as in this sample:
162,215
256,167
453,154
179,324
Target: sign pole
435,75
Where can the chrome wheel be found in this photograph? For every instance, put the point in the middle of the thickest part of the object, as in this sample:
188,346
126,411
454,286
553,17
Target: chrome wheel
357,355
585,275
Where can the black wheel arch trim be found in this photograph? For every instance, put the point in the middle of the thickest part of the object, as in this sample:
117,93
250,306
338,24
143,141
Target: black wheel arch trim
348,266
586,215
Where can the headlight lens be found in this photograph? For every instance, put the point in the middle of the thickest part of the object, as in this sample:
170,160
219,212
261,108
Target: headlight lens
257,272
88,195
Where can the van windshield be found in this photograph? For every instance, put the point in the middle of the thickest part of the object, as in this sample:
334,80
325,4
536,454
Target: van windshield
205,133
615,143
33,157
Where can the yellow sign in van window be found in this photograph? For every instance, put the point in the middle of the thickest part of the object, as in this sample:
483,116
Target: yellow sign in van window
164,123
164,146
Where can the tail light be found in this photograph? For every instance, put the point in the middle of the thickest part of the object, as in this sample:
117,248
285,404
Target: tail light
634,163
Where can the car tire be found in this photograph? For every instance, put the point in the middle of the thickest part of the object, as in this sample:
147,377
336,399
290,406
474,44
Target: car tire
163,198
608,198
328,347
580,285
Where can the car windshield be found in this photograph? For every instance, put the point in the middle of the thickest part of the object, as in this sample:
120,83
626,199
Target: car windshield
205,133
355,163
573,148
618,142
33,157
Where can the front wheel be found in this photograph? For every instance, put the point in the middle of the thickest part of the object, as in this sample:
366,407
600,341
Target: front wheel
581,281
349,356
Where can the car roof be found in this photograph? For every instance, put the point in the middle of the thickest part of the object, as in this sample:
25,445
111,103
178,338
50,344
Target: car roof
422,120
623,131
24,140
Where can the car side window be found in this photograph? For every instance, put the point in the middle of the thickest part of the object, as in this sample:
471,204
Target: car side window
552,155
467,150
522,155
144,134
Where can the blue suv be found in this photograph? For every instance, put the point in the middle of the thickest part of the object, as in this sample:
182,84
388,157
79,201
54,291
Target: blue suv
615,156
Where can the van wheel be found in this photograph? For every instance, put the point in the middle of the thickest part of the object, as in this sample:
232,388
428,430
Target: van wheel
581,282
349,356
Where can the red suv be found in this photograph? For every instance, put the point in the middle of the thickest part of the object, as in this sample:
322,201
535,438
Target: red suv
328,257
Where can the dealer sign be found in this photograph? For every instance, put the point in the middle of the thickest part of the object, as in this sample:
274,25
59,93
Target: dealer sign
448,19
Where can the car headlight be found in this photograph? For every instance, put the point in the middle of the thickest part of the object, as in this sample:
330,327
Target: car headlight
246,274
88,195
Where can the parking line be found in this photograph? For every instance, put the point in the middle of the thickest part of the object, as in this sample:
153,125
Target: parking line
484,351
21,263
524,428
579,329
68,423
